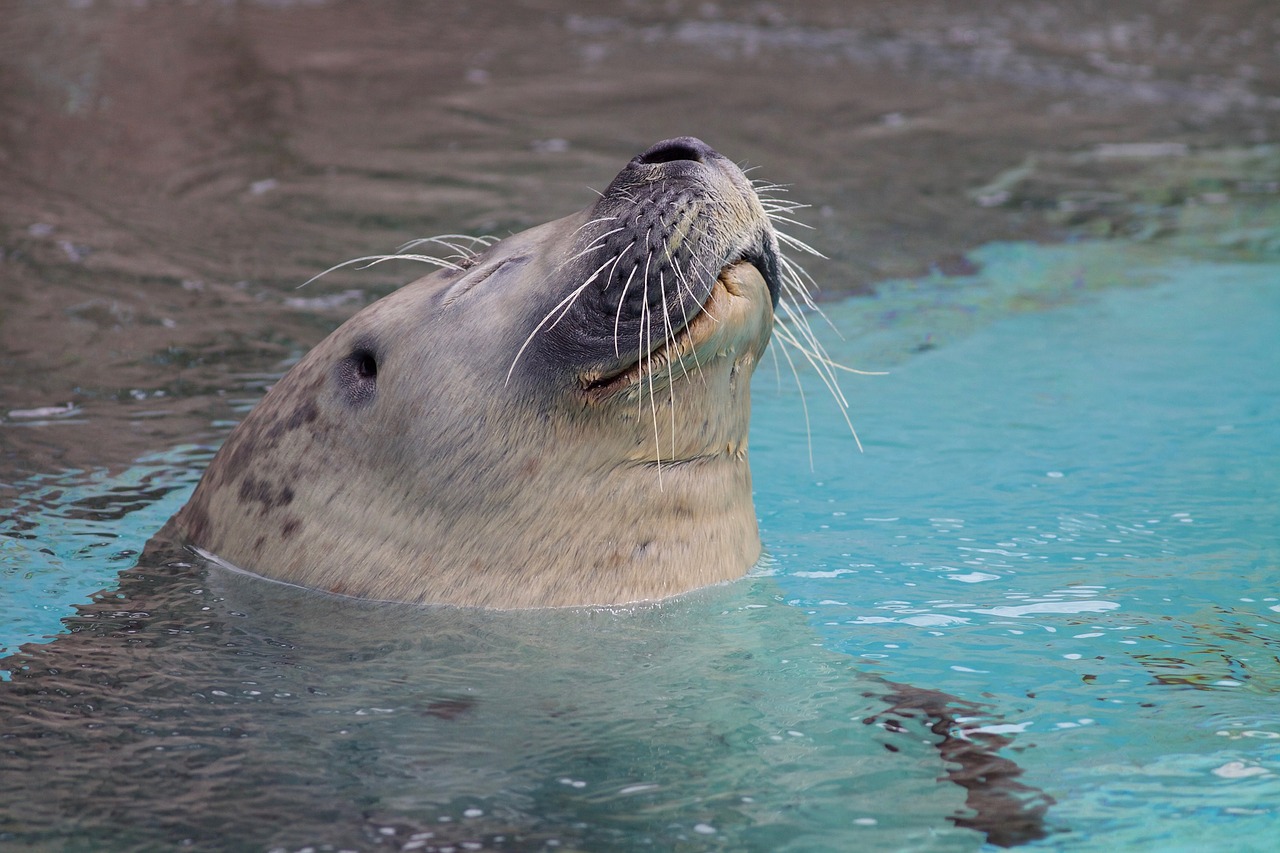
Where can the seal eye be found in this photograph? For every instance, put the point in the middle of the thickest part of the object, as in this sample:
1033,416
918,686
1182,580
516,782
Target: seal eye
365,364
357,375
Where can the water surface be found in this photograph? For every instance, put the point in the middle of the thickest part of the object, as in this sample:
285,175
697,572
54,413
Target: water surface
1066,508
1065,513
1068,504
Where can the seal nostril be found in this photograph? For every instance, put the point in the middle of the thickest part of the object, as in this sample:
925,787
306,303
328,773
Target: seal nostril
680,148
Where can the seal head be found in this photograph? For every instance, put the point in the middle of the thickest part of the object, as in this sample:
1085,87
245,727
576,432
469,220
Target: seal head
560,421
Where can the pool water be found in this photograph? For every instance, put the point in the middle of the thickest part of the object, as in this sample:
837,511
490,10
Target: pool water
1069,504
1066,510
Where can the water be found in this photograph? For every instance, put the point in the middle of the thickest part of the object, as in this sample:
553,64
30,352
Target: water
1073,512
1066,511
72,532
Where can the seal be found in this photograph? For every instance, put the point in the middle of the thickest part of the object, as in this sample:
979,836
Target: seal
561,419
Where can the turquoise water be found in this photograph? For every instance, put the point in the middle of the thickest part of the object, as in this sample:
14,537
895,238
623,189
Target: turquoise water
1067,509
71,532
1069,503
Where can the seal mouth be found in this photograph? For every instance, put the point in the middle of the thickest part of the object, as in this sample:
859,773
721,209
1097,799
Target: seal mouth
727,301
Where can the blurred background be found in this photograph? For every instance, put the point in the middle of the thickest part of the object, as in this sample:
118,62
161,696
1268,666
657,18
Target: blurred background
171,172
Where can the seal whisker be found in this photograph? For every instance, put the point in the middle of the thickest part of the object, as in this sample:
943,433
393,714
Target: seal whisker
777,367
793,282
804,404
697,363
800,331
591,222
763,187
670,357
688,286
374,260
620,192
827,378
683,280
820,354
813,353
795,332
793,277
798,245
646,335
463,253
640,342
563,307
792,327
595,245
774,196
608,279
451,241
775,216
617,318
796,318
777,210
622,254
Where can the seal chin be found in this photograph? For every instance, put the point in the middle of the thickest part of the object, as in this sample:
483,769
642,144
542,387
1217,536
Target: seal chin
730,323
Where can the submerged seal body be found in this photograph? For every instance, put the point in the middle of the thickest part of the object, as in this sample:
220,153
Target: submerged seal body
560,421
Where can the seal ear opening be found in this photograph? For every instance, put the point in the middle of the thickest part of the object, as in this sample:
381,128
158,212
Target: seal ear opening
357,375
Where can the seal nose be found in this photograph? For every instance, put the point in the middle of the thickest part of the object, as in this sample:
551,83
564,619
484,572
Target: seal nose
680,148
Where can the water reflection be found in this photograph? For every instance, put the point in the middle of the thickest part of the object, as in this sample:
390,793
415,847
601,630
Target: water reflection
199,706
70,534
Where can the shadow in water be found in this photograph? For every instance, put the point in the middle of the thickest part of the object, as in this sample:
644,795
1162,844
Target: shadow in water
196,705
